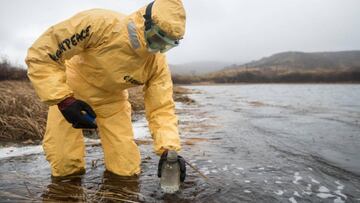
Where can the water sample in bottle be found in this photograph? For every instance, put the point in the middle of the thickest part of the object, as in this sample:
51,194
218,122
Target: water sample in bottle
170,173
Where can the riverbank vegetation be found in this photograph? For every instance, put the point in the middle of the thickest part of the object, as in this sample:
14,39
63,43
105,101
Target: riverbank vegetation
285,75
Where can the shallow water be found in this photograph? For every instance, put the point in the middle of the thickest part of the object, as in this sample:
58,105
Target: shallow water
255,143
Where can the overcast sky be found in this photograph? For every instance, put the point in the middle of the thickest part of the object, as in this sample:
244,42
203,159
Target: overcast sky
231,31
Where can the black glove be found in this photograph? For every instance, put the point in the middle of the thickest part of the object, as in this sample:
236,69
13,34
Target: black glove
181,162
78,113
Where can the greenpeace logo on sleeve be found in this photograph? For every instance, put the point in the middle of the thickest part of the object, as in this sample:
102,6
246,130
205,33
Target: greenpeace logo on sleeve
131,80
68,43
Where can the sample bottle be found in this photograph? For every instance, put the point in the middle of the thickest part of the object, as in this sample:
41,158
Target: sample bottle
170,173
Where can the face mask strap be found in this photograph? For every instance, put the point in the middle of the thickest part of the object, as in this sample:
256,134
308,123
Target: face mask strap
147,16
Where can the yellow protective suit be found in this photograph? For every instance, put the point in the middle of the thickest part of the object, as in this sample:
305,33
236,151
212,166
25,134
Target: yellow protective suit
95,56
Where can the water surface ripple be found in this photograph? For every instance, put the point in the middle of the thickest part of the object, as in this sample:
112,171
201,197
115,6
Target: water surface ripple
255,143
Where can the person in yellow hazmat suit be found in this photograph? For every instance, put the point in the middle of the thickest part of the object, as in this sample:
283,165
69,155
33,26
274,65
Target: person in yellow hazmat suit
81,68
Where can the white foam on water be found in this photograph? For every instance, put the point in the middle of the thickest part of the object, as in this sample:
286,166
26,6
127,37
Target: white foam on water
310,169
225,168
7,152
204,169
313,180
247,181
340,187
206,172
202,119
297,178
308,190
247,191
278,182
265,181
141,129
210,161
180,105
214,171
338,192
262,168
279,192
338,200
239,168
292,200
325,195
306,193
323,189
297,194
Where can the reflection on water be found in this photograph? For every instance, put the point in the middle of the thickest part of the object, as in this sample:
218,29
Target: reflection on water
69,189
254,143
112,188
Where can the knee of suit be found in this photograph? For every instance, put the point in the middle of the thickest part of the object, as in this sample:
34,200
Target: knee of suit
108,110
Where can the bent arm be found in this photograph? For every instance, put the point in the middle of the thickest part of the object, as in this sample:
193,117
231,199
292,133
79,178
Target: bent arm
46,57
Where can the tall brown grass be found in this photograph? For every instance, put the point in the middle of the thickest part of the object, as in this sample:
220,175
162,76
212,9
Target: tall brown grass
22,115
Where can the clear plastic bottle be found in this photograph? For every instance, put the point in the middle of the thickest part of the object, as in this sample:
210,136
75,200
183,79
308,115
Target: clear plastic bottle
170,173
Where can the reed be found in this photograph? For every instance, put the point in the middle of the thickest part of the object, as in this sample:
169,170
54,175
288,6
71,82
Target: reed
22,115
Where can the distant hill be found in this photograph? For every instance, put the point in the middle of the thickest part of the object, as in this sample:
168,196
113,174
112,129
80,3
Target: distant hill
343,66
197,68
308,61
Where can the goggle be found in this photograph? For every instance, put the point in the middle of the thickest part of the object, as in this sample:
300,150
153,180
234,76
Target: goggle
158,41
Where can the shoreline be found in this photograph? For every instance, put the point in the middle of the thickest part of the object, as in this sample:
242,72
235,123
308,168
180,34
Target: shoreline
245,83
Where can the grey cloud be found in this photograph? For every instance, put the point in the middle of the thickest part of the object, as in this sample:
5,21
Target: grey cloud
217,30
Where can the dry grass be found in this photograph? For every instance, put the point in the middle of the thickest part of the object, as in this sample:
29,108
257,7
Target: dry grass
136,98
180,95
23,116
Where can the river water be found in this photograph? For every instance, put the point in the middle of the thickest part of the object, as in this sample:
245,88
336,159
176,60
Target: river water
254,143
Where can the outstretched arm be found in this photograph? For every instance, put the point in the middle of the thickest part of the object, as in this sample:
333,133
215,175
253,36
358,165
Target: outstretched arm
160,108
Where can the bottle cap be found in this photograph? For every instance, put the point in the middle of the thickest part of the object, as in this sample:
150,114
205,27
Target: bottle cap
172,156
